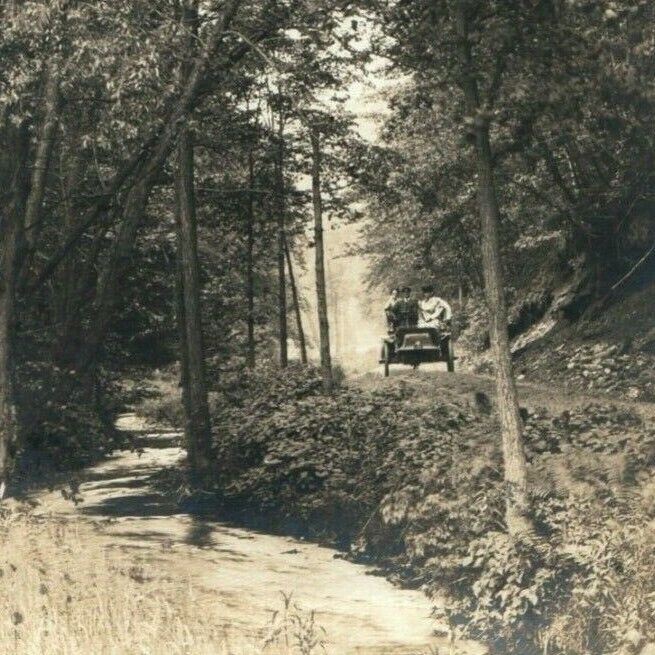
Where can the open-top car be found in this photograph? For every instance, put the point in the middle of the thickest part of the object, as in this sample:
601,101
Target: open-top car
417,345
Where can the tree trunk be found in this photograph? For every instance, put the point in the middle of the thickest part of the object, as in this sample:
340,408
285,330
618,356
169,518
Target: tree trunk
198,432
68,296
180,318
8,421
296,305
517,504
197,425
321,293
111,274
282,284
250,264
42,159
11,234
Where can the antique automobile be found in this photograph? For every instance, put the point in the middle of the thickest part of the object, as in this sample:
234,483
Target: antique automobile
417,345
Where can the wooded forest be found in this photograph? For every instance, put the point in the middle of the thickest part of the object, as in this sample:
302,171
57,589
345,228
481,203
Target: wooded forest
168,172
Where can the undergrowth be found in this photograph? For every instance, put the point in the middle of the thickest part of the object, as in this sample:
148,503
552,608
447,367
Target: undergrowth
66,421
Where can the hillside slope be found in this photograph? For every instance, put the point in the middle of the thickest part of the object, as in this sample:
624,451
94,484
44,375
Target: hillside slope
612,353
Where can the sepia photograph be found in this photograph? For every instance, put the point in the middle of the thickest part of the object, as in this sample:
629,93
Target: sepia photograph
327,327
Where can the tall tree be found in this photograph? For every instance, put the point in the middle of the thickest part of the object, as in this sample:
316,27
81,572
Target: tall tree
439,56
250,263
197,422
296,304
515,470
319,250
280,211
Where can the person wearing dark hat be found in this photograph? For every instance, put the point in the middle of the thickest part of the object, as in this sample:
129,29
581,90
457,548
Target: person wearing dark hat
406,309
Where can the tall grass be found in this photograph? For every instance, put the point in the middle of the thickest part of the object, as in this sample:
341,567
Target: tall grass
63,592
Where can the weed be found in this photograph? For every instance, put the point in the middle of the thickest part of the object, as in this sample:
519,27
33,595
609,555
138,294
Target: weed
295,630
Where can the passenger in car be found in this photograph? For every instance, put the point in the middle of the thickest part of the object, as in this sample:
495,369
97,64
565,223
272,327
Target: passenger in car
406,309
390,309
433,311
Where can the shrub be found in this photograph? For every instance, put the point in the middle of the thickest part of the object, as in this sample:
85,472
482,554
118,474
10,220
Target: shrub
64,422
290,451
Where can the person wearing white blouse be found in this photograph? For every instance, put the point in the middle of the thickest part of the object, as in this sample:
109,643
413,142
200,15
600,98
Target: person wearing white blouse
433,311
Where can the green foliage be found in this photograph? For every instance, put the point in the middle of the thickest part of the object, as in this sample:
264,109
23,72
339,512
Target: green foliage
565,88
308,472
65,422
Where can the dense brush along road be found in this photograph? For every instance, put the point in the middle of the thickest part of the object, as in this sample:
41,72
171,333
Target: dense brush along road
243,571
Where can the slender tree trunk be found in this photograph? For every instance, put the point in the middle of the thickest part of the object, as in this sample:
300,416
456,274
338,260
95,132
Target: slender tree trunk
112,273
553,169
282,297
67,298
8,420
250,265
296,305
180,318
517,504
321,292
43,155
11,225
197,426
198,433
282,283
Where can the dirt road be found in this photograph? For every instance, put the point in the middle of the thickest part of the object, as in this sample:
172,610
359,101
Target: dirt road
242,570
432,381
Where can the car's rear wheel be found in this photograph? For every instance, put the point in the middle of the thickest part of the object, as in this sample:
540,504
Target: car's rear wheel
451,356
386,352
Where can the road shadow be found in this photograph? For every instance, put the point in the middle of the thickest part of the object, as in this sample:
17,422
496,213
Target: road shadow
131,506
200,533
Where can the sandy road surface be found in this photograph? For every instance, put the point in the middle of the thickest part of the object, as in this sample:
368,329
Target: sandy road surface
242,570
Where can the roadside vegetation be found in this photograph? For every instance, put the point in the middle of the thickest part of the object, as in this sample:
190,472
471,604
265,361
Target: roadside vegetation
612,353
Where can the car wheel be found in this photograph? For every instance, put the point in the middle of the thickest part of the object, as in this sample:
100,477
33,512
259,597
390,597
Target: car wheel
451,356
385,357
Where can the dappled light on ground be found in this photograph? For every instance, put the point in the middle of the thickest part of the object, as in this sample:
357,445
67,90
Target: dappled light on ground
199,585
